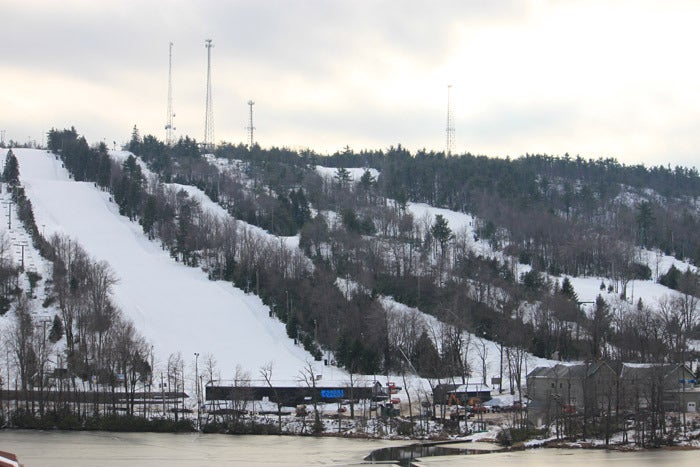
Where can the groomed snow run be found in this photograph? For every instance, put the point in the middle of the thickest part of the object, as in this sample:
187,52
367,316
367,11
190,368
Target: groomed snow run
176,308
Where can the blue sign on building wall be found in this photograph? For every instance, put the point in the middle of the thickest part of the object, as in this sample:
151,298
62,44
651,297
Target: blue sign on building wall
332,393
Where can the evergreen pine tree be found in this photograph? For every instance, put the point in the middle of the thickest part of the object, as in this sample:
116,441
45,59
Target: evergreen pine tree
367,180
426,358
671,278
11,173
342,175
441,231
135,142
57,331
645,221
568,290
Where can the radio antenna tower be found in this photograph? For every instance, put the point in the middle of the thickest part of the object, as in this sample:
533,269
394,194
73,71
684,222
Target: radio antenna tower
169,128
209,117
450,130
251,128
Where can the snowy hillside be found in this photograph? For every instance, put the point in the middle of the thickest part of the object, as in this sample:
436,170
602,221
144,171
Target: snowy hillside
200,197
587,288
175,307
178,309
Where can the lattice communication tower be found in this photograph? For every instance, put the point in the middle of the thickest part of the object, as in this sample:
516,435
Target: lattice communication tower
209,116
250,127
169,128
450,130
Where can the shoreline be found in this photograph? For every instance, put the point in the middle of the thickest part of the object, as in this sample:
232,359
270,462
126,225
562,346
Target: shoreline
550,443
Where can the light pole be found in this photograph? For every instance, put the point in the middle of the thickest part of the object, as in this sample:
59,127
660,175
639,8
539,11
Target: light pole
196,382
8,380
162,392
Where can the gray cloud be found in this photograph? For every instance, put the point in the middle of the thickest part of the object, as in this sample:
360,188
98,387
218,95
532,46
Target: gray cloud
357,72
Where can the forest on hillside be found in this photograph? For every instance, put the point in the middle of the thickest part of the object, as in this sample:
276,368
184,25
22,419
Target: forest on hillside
560,215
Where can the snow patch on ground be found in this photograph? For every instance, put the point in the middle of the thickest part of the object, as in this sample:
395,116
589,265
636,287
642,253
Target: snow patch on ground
355,173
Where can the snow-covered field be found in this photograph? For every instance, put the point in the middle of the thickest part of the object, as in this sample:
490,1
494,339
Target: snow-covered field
175,307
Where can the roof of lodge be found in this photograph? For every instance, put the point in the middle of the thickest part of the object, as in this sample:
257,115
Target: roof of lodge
625,370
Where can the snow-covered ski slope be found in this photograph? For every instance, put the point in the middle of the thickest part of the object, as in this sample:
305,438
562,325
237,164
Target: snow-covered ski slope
175,307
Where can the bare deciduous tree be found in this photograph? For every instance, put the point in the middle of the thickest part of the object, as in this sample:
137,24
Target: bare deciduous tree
308,376
266,373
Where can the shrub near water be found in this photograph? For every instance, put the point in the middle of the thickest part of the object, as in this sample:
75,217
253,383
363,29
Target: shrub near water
68,421
253,428
51,420
509,436
242,428
129,423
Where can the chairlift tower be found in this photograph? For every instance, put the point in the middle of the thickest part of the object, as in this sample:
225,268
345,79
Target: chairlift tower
250,127
169,128
450,130
209,116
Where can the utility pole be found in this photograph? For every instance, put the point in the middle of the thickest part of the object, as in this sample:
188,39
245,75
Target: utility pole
8,380
162,392
22,245
43,356
196,382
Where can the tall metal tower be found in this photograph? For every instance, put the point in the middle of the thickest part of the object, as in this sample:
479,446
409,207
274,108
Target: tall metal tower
169,128
209,117
450,130
250,127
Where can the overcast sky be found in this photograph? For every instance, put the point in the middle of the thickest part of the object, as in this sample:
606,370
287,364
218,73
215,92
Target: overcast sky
606,78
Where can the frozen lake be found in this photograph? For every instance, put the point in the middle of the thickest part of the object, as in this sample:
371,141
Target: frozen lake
36,448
